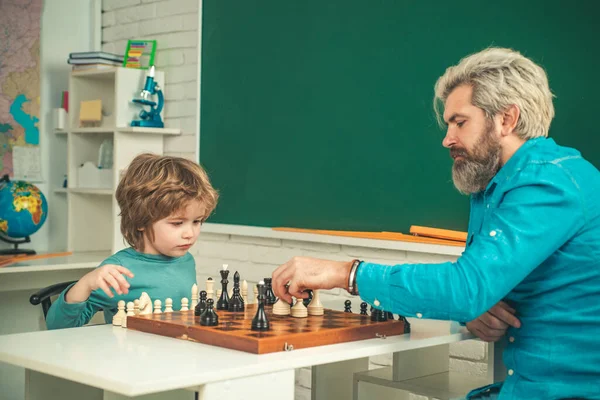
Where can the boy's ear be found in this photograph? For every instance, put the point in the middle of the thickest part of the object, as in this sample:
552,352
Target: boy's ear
141,229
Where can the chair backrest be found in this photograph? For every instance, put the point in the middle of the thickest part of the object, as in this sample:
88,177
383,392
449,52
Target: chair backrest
44,295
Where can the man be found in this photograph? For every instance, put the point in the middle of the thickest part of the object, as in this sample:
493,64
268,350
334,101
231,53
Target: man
533,242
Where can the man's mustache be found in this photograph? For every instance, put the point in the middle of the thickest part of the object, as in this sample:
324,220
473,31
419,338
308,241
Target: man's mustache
458,152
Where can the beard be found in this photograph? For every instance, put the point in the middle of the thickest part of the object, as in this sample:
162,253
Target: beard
474,172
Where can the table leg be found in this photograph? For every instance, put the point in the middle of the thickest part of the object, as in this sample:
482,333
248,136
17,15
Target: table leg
336,380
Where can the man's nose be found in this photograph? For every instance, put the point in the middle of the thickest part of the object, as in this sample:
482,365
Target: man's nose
449,139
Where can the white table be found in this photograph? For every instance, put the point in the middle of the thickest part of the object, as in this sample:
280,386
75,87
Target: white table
106,362
17,283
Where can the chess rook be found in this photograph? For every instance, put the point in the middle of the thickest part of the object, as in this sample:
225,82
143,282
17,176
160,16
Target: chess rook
260,321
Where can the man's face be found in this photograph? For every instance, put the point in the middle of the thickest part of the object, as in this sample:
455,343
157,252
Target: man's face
473,141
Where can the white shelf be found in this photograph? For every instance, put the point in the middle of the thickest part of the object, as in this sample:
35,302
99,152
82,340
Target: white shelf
60,132
102,73
103,192
60,190
442,386
136,129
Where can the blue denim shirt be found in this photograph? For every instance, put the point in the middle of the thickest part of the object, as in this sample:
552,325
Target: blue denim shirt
534,242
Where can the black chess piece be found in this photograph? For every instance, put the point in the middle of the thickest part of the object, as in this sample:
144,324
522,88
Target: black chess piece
389,315
378,315
307,301
236,303
260,321
209,317
363,308
270,298
223,303
347,306
201,306
406,323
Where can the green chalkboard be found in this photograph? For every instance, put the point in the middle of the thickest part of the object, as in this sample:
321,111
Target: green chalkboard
318,114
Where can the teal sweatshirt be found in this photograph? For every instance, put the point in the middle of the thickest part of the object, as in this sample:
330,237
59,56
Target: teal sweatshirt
159,276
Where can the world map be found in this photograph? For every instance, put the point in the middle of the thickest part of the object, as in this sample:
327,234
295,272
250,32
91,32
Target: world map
19,77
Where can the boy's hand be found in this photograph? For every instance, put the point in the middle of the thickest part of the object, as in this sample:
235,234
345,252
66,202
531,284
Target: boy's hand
105,277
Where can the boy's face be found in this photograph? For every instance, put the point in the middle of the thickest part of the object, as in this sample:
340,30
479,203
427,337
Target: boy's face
174,235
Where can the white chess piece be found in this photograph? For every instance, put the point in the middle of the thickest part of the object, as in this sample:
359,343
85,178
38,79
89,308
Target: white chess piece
194,295
299,310
245,291
219,291
184,304
120,313
145,304
230,292
157,307
210,288
315,307
255,300
168,305
136,306
281,307
130,313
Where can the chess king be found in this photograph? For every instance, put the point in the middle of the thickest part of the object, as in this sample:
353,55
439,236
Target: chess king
163,202
530,271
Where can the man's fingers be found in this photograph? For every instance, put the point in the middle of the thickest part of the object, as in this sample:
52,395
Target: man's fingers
492,322
281,279
297,291
505,316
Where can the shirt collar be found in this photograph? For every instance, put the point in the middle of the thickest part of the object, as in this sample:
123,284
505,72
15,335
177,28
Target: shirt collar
514,162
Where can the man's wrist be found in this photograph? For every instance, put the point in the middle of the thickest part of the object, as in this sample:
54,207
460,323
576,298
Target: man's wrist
352,287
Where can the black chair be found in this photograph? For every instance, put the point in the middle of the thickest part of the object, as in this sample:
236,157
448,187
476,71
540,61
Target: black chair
43,295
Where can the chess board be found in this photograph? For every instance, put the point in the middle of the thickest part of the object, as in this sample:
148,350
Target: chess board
286,333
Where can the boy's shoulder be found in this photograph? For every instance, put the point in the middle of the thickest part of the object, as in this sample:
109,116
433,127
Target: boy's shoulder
120,257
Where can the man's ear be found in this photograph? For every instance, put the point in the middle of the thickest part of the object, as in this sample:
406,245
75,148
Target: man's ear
510,117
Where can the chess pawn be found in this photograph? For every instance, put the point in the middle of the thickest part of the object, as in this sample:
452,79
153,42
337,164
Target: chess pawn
281,307
315,307
169,305
201,306
136,306
209,317
185,304
210,288
194,295
260,322
157,307
120,313
236,303
245,292
223,302
299,310
270,298
363,308
130,313
347,306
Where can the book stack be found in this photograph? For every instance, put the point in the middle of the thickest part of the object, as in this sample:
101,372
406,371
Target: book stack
94,60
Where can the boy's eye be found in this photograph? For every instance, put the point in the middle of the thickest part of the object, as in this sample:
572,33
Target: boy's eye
176,223
197,221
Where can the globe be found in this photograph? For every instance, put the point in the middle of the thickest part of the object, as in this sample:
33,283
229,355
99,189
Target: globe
23,209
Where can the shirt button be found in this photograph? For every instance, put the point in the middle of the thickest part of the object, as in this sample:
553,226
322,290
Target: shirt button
376,303
493,233
511,372
511,339
419,315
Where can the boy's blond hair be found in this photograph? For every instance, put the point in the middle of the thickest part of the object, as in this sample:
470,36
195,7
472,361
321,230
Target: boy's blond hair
154,187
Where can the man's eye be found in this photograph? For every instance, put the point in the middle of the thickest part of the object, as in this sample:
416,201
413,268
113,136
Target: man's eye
460,124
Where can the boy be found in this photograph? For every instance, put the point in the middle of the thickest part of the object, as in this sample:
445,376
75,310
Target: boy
163,202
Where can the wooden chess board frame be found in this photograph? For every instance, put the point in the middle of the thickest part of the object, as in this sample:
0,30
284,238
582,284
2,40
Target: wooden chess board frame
286,333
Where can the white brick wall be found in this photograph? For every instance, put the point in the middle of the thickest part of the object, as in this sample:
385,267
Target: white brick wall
174,24
255,258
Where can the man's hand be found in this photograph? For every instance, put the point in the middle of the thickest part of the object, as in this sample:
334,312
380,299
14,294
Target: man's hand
492,325
309,273
105,277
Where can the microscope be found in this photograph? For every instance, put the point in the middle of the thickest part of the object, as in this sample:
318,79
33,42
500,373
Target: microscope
151,118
